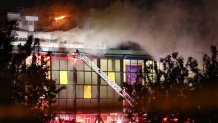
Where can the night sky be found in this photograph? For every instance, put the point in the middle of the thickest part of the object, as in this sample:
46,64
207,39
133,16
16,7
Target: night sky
159,26
99,3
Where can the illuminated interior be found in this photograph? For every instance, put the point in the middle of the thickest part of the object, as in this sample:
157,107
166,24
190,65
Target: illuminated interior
87,91
111,75
63,77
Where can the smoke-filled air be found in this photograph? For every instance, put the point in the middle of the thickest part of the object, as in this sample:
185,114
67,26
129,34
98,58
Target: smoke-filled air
160,28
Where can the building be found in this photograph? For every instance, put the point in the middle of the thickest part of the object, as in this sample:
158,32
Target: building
26,23
86,94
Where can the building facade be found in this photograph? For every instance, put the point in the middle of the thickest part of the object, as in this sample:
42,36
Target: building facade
86,94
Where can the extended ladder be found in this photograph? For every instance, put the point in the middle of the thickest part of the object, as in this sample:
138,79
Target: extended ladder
104,76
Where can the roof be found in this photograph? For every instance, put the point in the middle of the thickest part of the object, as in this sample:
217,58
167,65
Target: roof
132,54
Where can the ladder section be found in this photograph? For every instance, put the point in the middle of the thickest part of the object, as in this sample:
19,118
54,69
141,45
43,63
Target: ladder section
104,76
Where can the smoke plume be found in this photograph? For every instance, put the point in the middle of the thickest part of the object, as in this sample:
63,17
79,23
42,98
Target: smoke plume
160,28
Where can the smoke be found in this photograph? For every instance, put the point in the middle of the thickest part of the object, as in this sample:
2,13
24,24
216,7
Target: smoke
161,28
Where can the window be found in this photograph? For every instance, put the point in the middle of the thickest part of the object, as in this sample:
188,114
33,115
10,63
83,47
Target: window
79,91
103,91
80,78
79,65
103,64
70,105
132,68
117,65
111,64
48,75
117,78
63,64
62,105
94,78
87,68
71,63
62,93
111,75
94,91
56,76
63,77
150,69
70,91
87,91
55,63
25,22
88,78
71,77
31,22
110,92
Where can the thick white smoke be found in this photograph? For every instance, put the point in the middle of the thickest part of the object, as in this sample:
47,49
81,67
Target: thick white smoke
164,29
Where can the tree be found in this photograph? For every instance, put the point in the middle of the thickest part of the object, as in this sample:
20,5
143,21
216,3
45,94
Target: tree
23,84
168,87
210,64
206,95
7,74
33,86
178,89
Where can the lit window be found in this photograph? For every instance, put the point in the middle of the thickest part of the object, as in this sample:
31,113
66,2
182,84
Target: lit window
63,77
87,91
39,59
111,75
48,75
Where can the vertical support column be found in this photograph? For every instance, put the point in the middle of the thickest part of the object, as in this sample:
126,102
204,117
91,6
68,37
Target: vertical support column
121,73
122,80
58,81
50,60
98,89
74,83
145,67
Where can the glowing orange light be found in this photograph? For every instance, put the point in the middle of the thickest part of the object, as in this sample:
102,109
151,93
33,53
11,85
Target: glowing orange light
59,18
80,120
165,119
175,119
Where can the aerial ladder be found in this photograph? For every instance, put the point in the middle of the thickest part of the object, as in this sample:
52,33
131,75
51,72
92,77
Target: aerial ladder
104,76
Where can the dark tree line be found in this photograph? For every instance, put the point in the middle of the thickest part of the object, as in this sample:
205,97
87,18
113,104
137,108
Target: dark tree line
24,85
178,88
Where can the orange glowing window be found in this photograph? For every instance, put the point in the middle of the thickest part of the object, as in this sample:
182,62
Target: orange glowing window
87,91
48,75
63,77
30,58
39,59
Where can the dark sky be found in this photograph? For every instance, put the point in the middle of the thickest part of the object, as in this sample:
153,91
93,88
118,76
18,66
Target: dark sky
93,3
30,3
86,3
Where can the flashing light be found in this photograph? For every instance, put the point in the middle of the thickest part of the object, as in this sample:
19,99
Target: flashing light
165,119
175,119
79,120
145,114
56,118
119,121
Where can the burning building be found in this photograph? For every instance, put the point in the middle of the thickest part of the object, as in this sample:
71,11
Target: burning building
86,93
